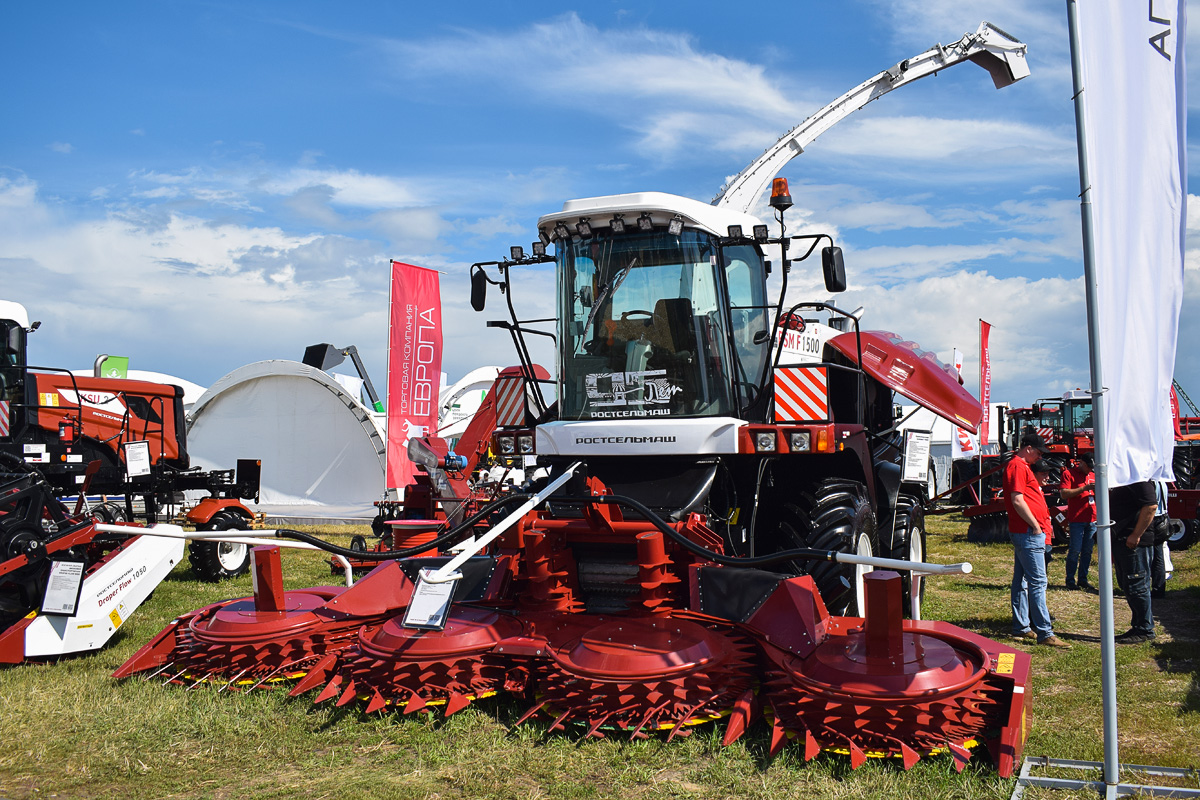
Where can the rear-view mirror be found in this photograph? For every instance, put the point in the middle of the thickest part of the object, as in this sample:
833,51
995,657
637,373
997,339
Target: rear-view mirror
834,269
479,284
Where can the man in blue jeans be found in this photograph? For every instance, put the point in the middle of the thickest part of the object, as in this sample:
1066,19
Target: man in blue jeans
1079,490
1028,527
1132,508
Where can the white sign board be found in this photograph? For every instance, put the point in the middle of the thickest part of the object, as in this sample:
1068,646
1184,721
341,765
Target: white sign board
430,603
916,457
63,587
137,459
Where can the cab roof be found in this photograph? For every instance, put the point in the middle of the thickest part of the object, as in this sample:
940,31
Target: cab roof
14,311
661,207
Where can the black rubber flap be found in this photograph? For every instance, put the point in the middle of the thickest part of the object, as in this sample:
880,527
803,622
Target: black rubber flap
476,574
735,593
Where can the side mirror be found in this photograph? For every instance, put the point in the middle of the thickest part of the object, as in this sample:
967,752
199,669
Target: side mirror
479,284
834,269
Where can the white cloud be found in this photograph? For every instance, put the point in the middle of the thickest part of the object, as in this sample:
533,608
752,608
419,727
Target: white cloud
61,147
650,81
998,145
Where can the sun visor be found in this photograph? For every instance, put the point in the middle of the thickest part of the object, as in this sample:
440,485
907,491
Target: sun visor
917,374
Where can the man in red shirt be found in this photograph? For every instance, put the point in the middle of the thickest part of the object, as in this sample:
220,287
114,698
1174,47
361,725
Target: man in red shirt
1078,489
1028,527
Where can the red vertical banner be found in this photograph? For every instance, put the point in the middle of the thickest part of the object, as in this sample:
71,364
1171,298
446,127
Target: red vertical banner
985,381
414,365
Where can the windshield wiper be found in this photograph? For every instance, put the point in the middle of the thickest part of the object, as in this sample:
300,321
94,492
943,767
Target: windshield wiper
606,290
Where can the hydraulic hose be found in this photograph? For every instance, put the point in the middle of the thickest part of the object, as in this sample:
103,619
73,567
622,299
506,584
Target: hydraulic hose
448,537
798,554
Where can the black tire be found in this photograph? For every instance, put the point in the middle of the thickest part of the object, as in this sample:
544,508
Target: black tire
217,561
1184,459
110,513
1184,533
988,529
908,542
358,543
836,515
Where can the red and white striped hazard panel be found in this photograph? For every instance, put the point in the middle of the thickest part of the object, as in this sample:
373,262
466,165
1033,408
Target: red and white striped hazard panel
510,402
4,426
801,394
1046,433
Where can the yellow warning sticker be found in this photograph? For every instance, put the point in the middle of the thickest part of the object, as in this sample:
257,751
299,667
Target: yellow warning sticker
1005,662
48,399
115,616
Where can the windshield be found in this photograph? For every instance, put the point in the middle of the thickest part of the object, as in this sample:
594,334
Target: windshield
643,330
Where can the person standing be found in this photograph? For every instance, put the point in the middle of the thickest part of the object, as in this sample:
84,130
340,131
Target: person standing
1028,527
1133,508
1162,531
1079,490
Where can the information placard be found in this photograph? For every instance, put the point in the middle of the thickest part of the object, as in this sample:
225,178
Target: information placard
137,459
63,588
430,603
916,457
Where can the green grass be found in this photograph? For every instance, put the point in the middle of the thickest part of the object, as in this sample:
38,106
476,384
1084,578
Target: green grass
70,730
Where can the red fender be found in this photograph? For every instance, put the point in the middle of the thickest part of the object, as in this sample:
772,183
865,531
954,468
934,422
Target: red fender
207,508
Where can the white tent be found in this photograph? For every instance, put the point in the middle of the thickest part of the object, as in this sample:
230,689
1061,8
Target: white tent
322,451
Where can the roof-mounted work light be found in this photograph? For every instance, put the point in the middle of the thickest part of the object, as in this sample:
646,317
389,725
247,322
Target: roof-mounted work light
735,231
675,226
584,227
644,222
516,252
618,223
539,249
760,233
543,236
561,232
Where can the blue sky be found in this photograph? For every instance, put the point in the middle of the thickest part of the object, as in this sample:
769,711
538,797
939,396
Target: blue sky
202,185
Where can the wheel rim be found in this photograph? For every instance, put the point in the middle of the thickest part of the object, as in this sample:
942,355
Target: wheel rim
1177,529
862,547
231,555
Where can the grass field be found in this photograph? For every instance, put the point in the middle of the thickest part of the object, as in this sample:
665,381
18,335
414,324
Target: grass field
69,730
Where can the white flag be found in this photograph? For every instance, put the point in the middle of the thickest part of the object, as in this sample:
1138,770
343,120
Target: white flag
1135,110
964,444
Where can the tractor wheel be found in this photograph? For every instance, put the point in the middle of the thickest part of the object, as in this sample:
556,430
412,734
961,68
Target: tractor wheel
908,541
1184,465
216,561
836,516
988,529
1184,533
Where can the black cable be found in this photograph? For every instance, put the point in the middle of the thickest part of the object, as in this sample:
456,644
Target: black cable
387,555
798,554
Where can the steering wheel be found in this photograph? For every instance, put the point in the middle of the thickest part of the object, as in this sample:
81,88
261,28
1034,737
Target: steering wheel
649,315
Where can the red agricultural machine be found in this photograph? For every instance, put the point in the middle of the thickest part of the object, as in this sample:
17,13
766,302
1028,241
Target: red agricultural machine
1066,425
125,438
711,486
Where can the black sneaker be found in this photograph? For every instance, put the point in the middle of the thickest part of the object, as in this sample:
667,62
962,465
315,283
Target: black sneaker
1133,637
1071,587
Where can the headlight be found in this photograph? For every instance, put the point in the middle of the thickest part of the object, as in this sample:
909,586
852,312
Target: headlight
800,441
525,445
764,442
507,446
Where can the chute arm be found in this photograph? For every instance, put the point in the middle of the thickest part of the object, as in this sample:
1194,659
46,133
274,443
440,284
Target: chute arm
989,47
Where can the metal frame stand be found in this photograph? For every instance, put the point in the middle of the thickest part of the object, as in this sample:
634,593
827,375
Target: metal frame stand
1108,790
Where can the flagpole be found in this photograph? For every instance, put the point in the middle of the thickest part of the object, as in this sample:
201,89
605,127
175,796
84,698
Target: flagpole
1108,676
